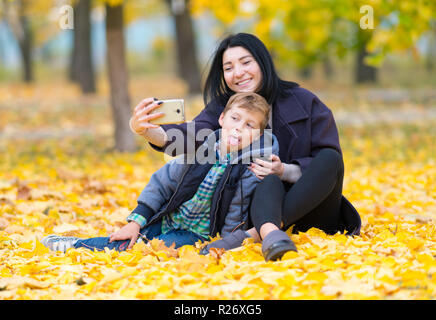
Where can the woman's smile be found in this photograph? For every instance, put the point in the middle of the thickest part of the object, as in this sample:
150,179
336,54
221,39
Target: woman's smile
243,82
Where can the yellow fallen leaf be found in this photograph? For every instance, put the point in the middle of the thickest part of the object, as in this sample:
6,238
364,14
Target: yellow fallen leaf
18,281
65,228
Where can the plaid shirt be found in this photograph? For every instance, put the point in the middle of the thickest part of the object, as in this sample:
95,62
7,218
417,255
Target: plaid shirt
194,214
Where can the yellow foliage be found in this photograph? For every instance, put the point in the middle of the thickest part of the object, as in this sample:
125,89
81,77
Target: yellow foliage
76,187
302,31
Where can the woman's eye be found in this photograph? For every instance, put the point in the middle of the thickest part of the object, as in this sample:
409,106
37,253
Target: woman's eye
247,62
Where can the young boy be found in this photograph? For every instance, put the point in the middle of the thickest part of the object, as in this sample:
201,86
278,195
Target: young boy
185,203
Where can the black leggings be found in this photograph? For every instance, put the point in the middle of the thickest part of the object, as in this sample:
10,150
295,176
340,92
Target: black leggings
313,201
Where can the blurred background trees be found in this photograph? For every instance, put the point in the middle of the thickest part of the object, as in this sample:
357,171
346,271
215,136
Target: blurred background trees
113,40
187,62
82,68
16,15
118,75
307,32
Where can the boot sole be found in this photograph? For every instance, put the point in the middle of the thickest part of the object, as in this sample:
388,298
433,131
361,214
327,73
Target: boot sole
277,250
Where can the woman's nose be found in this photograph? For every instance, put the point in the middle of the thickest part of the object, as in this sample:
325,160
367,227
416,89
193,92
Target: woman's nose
239,72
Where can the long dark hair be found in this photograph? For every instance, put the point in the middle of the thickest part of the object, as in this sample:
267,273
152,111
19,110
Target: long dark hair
272,86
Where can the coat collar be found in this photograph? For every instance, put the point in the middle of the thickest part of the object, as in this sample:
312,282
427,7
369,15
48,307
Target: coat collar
289,108
263,147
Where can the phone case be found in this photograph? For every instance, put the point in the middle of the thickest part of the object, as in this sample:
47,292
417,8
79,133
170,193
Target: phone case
174,112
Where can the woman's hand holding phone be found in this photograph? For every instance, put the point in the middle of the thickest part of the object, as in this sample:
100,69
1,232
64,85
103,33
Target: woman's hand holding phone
140,120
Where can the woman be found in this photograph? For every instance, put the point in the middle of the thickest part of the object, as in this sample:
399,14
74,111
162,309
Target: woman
303,185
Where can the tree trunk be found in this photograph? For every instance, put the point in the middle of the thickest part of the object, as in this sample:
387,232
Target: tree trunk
305,72
73,62
185,41
82,70
327,67
118,79
26,45
364,72
19,23
431,52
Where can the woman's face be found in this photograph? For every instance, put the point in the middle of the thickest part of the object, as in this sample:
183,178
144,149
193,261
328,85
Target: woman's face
241,71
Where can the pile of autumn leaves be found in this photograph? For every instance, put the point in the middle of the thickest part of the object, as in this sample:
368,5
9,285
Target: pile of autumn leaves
76,186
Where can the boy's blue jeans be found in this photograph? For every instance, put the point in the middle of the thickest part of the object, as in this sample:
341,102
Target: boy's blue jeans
179,237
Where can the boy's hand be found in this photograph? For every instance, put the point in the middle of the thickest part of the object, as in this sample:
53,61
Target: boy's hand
263,168
129,231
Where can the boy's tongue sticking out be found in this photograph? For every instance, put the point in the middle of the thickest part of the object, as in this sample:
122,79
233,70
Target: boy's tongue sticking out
232,141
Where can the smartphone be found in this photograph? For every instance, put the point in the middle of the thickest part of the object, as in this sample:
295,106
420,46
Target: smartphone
174,110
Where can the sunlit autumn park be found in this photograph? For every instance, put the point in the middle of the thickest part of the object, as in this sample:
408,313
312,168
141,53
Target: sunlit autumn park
71,73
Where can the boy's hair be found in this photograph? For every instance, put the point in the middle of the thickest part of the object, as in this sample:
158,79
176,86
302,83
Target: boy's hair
252,102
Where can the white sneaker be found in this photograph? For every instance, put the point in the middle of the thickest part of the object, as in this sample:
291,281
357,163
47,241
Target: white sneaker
59,243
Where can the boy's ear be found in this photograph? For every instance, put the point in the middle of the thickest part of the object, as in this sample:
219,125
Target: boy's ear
220,120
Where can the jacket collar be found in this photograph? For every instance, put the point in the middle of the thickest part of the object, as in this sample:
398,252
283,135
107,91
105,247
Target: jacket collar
263,147
222,158
289,109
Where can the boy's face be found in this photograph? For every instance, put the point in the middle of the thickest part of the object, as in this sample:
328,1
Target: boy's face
240,128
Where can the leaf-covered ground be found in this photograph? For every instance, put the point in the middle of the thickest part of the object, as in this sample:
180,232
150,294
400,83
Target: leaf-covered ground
59,175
